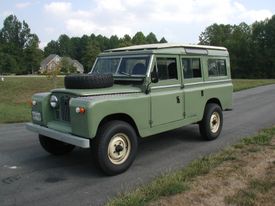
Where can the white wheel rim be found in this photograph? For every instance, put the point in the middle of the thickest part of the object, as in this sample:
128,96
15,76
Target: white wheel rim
119,148
215,122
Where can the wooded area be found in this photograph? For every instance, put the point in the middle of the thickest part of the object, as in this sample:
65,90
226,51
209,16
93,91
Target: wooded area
251,47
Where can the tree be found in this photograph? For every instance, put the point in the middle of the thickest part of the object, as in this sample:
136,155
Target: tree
162,40
8,64
66,66
65,45
251,48
86,48
139,38
91,52
17,41
52,74
125,41
32,56
216,35
113,42
151,38
52,48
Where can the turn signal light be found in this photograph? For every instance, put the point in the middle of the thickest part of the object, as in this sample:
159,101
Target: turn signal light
80,110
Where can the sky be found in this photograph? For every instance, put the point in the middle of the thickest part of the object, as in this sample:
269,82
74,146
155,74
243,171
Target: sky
179,21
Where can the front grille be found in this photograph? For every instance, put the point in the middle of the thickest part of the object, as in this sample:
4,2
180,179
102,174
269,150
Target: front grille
65,108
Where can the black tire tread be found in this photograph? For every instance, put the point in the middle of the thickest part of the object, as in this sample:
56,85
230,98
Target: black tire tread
88,81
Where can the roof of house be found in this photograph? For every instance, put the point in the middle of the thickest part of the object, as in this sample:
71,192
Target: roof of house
78,63
48,59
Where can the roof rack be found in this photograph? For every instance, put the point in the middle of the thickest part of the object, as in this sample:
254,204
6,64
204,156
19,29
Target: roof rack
163,46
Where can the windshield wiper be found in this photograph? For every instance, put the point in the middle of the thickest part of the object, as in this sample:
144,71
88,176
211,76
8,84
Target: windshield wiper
125,73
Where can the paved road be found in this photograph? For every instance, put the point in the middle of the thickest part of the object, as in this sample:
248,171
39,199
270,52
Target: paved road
29,176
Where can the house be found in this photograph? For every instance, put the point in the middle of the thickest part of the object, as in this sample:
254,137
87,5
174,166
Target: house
52,61
49,63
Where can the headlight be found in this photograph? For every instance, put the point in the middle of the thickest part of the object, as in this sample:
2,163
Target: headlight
54,101
34,102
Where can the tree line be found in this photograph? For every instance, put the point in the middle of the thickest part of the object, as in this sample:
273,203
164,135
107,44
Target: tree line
20,53
86,48
251,47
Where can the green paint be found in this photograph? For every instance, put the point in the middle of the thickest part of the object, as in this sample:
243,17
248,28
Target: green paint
170,104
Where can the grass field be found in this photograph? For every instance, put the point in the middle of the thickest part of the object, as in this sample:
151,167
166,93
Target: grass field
16,92
15,96
241,84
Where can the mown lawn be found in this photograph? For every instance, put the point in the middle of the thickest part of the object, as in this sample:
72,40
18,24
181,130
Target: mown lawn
241,84
15,96
16,92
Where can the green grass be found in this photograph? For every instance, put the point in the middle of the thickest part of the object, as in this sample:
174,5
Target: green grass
15,96
241,84
179,181
16,92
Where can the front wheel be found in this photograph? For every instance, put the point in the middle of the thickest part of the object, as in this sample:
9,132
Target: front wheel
55,147
115,147
211,124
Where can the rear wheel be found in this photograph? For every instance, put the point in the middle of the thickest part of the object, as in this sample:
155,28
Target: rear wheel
211,124
55,147
115,147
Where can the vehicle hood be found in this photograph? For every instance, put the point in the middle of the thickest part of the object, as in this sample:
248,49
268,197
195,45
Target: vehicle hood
115,89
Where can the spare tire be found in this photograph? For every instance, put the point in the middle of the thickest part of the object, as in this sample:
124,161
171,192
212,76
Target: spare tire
88,81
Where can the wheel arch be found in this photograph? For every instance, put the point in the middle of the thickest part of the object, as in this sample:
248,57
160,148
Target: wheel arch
122,117
215,101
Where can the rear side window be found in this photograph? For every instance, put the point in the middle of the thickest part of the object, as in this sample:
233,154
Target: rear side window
191,68
216,67
167,68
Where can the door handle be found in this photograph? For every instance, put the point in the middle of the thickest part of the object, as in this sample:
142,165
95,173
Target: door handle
178,99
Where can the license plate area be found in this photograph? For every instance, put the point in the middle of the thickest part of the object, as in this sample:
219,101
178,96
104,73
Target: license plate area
36,116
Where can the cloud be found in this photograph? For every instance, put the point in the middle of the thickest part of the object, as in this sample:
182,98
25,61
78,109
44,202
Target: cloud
59,8
109,17
252,15
23,5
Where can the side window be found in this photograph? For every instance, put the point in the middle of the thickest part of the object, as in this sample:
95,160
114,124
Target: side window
191,68
167,68
216,67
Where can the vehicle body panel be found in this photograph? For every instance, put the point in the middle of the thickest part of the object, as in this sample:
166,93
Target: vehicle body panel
151,107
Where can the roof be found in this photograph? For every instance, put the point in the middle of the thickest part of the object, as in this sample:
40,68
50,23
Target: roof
163,46
48,59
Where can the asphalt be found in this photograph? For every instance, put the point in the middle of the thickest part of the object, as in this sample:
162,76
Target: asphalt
30,176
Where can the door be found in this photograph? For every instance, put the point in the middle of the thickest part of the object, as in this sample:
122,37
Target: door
166,95
193,86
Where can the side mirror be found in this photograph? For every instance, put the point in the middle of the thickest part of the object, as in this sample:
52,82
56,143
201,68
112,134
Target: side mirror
154,76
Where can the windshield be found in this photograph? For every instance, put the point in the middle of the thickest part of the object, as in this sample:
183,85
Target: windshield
125,66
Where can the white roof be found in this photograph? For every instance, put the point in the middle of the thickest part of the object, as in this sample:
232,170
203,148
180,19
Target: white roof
166,45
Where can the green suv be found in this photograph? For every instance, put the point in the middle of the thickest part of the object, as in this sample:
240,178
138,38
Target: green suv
132,93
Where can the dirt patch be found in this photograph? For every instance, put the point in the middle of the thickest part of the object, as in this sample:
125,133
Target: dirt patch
251,174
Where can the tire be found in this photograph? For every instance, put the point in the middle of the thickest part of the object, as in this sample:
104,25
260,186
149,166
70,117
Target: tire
115,147
211,124
88,81
55,147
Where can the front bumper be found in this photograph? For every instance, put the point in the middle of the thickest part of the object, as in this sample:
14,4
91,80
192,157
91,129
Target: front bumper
63,137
